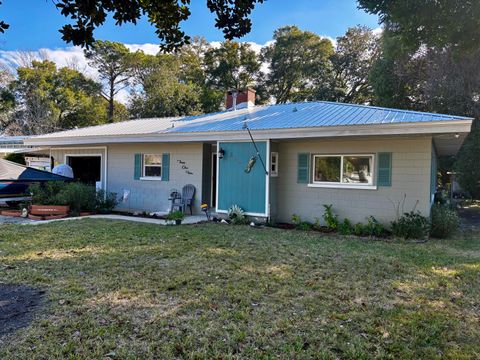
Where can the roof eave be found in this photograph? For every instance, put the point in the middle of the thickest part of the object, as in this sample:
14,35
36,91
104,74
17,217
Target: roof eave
437,127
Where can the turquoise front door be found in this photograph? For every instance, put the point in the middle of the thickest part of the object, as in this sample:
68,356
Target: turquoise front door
236,186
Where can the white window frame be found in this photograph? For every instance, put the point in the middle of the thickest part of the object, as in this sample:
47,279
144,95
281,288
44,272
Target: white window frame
330,184
144,177
272,172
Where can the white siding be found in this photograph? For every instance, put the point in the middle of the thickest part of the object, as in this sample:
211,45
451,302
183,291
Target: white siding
410,175
153,195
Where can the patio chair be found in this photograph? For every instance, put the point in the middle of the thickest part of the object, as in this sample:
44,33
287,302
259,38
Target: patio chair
188,193
175,197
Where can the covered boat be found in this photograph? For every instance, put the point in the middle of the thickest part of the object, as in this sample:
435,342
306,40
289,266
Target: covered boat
15,180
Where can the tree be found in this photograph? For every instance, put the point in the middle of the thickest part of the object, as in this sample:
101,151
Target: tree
397,75
49,99
442,78
194,70
7,100
232,65
232,16
162,91
112,60
299,63
355,54
434,23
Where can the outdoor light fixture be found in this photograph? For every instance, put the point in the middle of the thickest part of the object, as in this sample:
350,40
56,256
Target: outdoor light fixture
221,153
457,135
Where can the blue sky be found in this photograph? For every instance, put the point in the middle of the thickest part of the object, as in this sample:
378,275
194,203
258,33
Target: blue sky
38,26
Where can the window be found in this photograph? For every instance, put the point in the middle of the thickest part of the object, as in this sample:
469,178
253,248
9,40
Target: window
343,169
152,166
274,164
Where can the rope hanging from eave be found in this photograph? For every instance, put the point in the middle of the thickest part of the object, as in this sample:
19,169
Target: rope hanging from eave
252,160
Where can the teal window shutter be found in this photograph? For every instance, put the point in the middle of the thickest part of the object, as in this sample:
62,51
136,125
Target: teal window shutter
137,170
384,173
165,167
303,168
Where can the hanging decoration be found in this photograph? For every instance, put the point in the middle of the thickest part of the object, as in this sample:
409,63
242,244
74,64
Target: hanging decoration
253,159
251,164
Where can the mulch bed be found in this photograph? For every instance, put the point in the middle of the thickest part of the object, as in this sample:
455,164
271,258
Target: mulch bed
18,304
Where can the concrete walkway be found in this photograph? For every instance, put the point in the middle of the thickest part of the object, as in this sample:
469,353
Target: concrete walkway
189,219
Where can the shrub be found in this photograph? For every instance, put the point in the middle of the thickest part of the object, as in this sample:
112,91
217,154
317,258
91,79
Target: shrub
411,225
345,227
300,224
237,215
331,219
444,221
48,193
79,197
105,202
373,227
359,229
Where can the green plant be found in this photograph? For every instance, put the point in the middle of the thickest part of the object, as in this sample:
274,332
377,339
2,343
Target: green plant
411,225
359,229
105,202
373,227
296,219
237,215
300,224
48,193
175,215
444,221
79,197
330,218
345,227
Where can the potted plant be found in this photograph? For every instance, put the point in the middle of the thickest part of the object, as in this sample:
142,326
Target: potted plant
176,216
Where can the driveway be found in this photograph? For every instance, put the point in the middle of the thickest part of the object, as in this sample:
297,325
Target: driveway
470,217
14,220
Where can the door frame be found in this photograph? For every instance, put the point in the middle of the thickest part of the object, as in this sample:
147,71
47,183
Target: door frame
213,179
66,156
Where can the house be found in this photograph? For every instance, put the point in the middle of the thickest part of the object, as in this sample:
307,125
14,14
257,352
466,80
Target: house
364,160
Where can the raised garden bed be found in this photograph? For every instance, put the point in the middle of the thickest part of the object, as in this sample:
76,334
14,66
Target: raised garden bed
48,212
16,213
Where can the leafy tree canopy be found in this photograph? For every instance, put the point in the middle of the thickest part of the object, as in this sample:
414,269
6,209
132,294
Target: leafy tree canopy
353,59
232,65
50,99
232,16
162,92
430,22
297,60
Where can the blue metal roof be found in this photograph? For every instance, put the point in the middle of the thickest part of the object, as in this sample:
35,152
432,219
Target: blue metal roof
304,115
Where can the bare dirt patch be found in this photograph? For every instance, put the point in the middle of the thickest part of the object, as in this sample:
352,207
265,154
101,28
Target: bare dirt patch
18,304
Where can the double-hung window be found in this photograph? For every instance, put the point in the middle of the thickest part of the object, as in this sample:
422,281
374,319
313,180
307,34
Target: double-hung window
343,170
152,166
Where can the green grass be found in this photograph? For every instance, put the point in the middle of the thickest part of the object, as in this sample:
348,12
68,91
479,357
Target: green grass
133,291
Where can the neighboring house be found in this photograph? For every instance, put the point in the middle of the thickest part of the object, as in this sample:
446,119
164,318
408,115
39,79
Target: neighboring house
364,160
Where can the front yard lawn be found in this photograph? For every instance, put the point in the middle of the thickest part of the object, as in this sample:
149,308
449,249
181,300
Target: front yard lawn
123,290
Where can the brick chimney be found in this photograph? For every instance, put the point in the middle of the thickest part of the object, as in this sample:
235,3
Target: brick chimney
240,99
